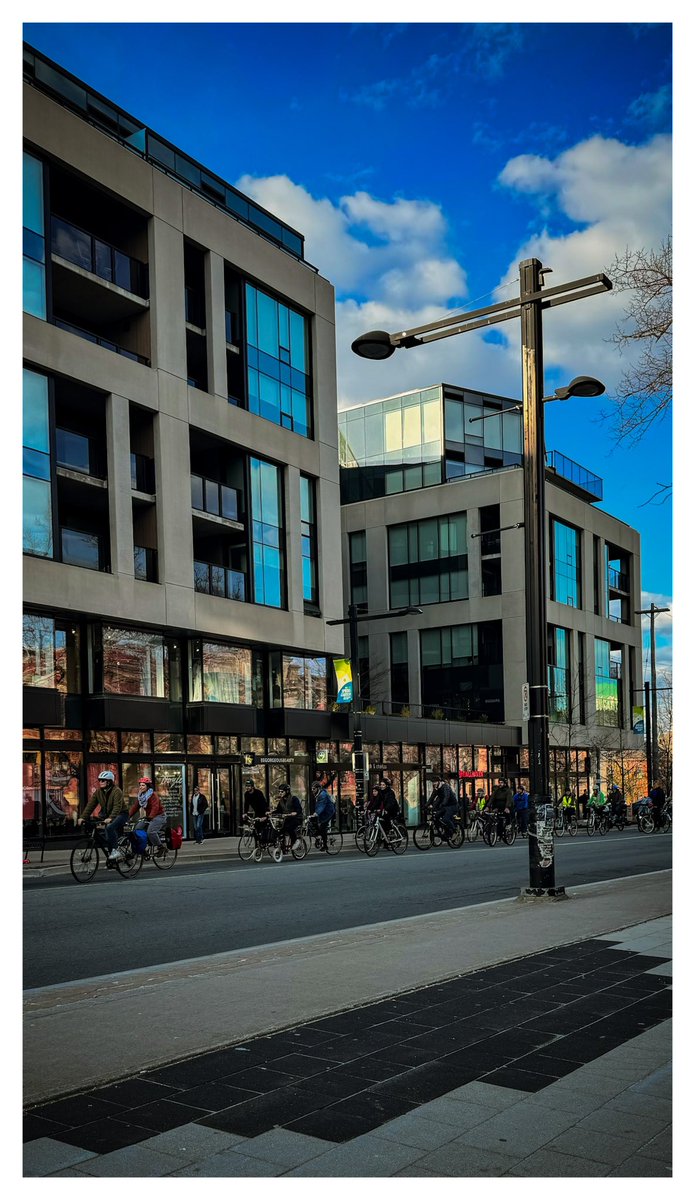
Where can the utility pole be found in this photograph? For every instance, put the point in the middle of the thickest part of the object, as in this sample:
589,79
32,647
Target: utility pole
652,612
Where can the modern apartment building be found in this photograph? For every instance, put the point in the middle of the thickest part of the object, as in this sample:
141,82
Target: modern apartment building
432,491
181,492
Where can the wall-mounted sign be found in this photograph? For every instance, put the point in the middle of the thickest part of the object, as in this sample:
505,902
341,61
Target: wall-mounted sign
472,774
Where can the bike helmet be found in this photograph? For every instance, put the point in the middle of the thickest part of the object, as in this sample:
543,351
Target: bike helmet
107,775
145,779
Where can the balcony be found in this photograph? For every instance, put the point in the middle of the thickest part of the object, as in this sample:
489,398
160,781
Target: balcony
219,581
618,581
84,250
216,500
82,549
145,562
142,474
78,455
583,482
99,341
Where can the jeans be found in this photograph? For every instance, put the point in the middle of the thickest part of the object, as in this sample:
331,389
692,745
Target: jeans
446,818
114,830
199,826
522,819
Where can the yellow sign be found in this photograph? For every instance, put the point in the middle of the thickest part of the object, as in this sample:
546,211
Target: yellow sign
343,674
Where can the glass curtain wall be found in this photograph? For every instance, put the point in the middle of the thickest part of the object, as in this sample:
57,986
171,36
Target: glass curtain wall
279,374
566,575
310,583
38,513
559,682
268,534
428,561
34,267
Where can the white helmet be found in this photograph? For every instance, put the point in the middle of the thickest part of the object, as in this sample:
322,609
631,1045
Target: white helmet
107,775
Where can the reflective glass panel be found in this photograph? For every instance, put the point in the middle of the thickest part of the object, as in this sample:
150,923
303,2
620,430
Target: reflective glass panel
37,530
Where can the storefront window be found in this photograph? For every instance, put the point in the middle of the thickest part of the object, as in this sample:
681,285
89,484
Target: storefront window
304,683
63,735
199,743
465,758
135,742
103,739
449,760
63,791
138,663
348,801
433,757
31,791
392,752
226,745
482,759
30,735
411,754
169,743
412,781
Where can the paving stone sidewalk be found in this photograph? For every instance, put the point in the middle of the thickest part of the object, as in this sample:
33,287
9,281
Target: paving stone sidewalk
555,1064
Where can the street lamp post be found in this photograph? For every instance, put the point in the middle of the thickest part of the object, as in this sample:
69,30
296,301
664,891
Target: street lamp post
529,305
353,616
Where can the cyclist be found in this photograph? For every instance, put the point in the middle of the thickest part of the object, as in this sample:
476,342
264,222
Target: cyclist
155,816
444,804
502,801
114,811
324,811
291,806
521,801
658,799
567,807
618,805
256,809
597,799
389,805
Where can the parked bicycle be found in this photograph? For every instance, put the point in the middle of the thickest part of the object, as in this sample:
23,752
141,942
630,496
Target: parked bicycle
433,832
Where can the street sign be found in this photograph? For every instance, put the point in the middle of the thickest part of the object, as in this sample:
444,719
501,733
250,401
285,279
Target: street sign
525,702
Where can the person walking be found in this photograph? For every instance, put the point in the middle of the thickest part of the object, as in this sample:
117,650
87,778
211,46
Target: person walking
114,811
520,801
152,814
199,805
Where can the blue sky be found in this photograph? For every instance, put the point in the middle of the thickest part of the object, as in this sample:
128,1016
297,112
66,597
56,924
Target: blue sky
420,171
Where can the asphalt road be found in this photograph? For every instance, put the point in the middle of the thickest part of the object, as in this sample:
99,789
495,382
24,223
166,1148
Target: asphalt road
76,932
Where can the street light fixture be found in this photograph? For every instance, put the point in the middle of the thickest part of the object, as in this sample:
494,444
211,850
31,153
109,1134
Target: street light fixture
528,306
352,619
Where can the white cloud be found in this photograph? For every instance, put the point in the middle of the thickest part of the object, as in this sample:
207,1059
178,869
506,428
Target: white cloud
392,269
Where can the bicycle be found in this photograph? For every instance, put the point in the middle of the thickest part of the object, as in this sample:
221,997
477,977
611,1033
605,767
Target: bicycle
252,848
163,856
475,825
313,838
433,832
395,838
646,819
84,860
566,820
597,819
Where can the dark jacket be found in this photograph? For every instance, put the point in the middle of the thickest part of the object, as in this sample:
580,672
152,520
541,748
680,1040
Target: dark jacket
501,797
389,802
202,803
444,797
111,800
256,802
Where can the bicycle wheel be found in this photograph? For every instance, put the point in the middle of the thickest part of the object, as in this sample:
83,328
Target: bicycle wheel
334,842
620,824
490,834
399,843
299,849
84,862
559,826
372,841
591,824
602,825
359,838
509,834
456,838
165,860
573,826
666,823
275,853
131,862
422,837
247,845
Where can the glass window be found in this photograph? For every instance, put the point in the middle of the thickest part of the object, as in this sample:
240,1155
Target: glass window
33,219
63,775
304,682
230,675
135,662
565,564
453,415
136,742
37,526
103,739
307,494
428,561
132,773
268,534
81,549
281,336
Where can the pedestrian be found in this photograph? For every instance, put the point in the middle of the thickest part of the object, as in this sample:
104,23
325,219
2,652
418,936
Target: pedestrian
520,801
152,814
114,811
583,803
199,804
256,809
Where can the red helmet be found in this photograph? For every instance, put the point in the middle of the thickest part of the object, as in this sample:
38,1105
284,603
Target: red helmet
145,779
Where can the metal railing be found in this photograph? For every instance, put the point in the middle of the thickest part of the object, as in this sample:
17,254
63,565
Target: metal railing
574,473
85,250
430,712
619,580
219,581
99,341
209,496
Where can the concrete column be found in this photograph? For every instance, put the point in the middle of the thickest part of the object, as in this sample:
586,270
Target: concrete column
215,327
329,552
414,673
167,298
120,502
174,526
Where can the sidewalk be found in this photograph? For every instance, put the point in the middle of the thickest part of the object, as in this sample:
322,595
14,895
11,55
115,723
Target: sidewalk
553,1062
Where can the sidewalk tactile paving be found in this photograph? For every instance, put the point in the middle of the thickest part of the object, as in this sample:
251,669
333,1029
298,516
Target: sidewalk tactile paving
510,1060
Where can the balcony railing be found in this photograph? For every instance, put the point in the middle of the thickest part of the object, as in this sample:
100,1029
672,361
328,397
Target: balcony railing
430,712
219,581
77,452
209,496
142,474
145,561
618,580
85,250
100,341
81,549
574,473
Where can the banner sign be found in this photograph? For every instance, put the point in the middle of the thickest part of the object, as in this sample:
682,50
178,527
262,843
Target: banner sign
638,720
343,675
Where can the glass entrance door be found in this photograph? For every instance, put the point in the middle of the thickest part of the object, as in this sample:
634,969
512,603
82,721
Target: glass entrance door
170,786
222,802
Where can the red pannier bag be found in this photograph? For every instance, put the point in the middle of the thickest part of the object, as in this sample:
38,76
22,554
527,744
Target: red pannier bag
176,838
